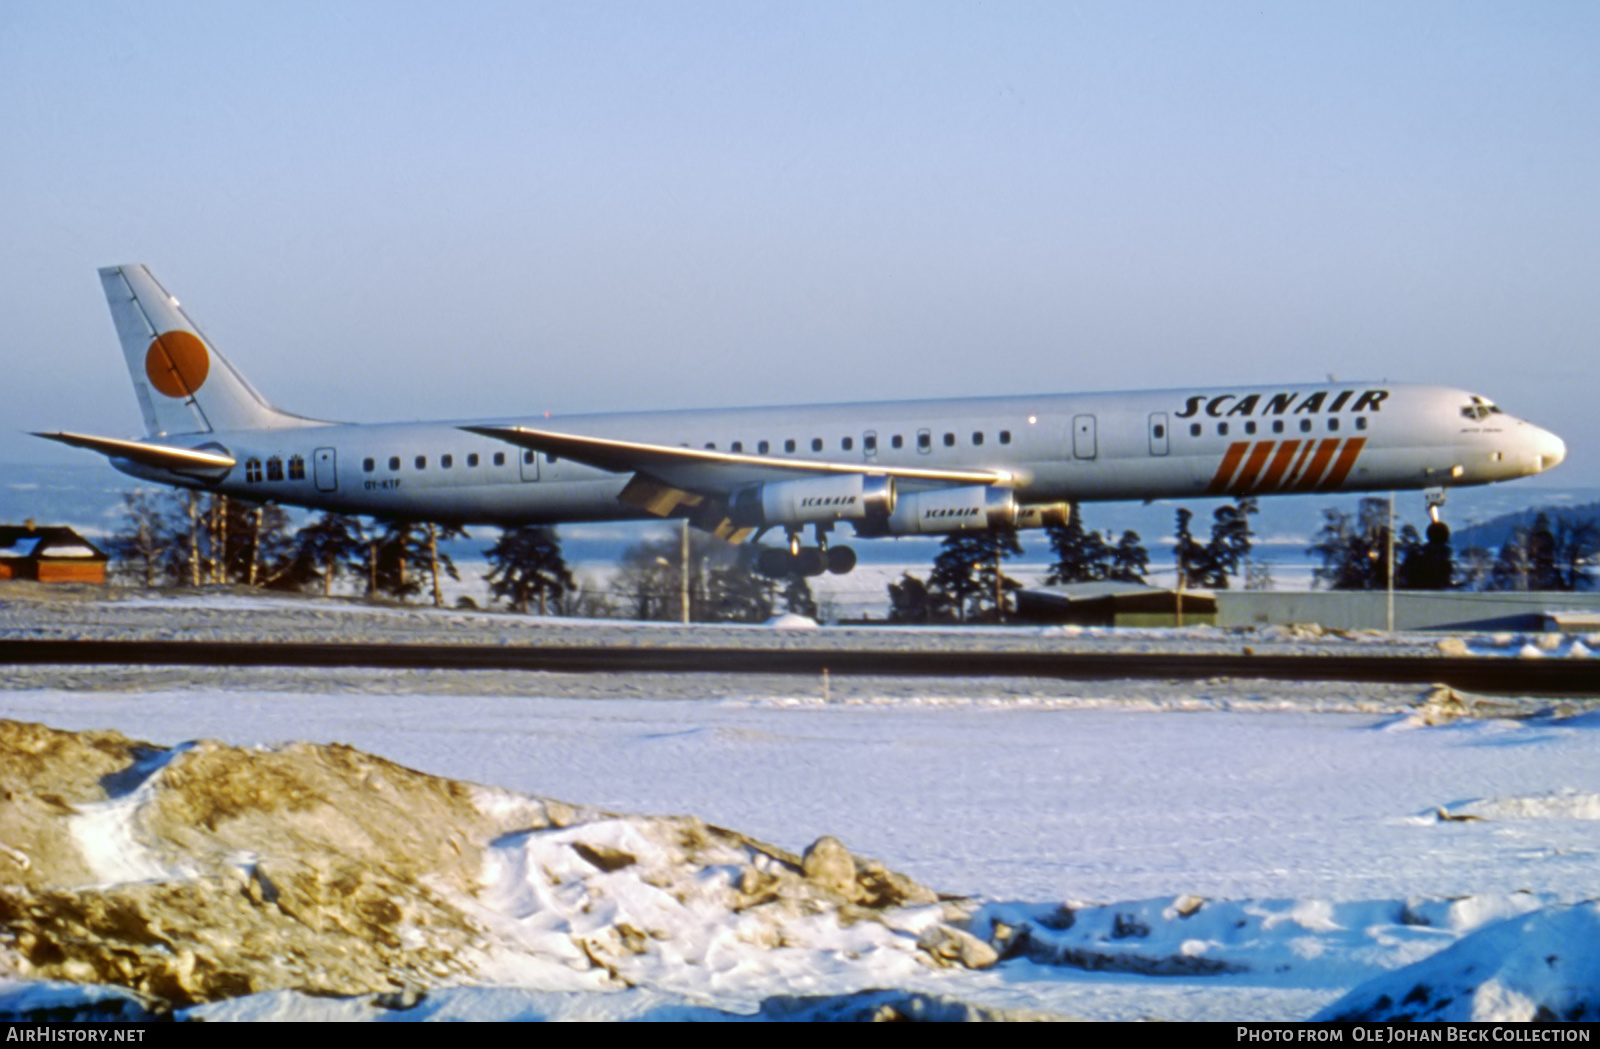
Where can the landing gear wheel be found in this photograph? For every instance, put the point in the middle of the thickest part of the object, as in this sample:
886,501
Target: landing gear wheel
841,560
811,561
773,563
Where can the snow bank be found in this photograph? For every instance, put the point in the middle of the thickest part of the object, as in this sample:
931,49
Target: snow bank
1542,966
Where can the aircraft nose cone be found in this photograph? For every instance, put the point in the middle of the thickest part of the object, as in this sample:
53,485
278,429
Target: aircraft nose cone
1550,449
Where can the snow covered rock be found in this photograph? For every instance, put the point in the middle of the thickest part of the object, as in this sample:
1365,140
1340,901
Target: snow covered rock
207,872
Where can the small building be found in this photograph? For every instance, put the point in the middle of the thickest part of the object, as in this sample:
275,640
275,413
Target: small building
1113,603
49,555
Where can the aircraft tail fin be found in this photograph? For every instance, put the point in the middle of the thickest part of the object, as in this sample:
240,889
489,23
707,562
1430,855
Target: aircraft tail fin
183,384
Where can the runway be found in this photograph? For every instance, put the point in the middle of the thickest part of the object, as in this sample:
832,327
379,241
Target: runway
444,641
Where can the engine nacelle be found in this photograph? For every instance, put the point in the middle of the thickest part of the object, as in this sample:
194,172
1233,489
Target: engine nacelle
846,497
1043,515
975,508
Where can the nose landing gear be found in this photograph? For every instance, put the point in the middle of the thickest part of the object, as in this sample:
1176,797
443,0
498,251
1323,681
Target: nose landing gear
1438,531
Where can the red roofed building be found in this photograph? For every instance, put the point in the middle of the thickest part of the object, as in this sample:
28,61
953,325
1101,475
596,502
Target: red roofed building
49,555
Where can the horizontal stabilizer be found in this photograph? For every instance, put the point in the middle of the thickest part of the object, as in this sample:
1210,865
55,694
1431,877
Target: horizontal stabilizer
190,462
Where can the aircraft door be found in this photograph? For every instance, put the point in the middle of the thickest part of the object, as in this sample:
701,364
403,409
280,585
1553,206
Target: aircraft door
529,464
1158,433
322,468
1083,439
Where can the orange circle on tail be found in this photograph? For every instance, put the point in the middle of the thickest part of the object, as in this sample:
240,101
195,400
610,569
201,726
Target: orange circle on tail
177,363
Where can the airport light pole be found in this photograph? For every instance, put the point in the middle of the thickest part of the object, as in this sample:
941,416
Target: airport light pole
1389,576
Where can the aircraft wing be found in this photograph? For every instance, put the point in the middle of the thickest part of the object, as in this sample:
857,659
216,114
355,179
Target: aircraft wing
193,462
710,470
700,482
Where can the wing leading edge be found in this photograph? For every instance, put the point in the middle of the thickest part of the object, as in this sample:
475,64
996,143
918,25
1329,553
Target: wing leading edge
704,482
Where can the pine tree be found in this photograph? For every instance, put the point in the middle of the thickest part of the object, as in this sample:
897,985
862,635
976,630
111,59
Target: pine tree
405,557
909,601
798,599
325,547
1129,559
1230,540
148,547
526,563
967,575
736,593
1195,568
1355,553
1081,556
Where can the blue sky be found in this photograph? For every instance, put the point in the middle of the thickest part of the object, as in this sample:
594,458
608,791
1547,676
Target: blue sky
390,211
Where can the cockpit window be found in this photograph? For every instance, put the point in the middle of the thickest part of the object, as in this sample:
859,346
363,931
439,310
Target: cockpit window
1479,410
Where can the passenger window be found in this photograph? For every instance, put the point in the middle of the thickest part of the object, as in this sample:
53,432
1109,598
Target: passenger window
368,465
870,443
527,457
499,459
737,446
977,438
297,468
762,447
1159,431
472,459
1333,424
711,446
422,462
1194,429
1249,427
446,461
1005,436
1305,425
788,445
1222,429
846,443
550,459
274,469
1277,426
949,440
1361,422
816,444
897,441
394,462
252,471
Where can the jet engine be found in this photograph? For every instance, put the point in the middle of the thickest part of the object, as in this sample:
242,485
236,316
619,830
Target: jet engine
1043,515
974,508
846,497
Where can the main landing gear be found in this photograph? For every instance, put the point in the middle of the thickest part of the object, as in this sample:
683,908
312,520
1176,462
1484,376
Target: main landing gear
1438,531
795,559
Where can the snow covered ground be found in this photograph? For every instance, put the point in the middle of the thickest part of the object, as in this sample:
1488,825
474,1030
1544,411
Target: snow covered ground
1309,824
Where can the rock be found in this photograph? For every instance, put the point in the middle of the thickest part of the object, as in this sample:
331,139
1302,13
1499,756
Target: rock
828,863
948,946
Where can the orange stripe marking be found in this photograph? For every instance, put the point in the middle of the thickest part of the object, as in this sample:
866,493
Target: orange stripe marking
1319,463
1294,475
1253,465
1347,459
1230,463
1280,463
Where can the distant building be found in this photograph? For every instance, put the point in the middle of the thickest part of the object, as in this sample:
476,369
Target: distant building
1111,603
49,555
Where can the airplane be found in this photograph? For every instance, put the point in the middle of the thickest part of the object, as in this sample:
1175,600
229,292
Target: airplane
891,468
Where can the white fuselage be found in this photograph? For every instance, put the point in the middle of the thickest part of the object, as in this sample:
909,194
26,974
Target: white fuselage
1070,447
